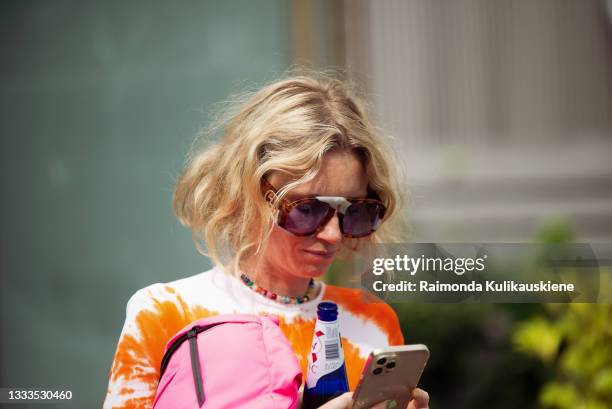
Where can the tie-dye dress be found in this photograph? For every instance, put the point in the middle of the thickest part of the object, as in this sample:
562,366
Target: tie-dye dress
155,313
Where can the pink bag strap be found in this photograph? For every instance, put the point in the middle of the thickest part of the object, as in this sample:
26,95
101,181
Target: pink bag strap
192,336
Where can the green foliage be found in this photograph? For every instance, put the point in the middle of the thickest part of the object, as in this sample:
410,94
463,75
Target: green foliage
539,337
575,341
472,362
555,230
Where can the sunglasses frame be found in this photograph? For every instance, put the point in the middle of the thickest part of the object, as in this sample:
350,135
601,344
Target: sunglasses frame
285,206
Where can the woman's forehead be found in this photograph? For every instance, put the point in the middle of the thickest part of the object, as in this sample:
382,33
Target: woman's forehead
341,174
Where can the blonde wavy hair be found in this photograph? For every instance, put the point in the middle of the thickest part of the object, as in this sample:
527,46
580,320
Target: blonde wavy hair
287,126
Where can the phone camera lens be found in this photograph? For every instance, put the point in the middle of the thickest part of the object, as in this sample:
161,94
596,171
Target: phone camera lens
381,361
377,371
390,365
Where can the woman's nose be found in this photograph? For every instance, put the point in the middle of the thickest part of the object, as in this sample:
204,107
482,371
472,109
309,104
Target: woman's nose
331,231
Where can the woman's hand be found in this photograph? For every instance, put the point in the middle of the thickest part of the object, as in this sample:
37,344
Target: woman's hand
345,401
420,400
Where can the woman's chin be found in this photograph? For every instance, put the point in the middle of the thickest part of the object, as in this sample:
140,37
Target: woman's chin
314,270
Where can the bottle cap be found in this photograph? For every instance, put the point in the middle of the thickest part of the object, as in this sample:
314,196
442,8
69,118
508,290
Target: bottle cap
327,311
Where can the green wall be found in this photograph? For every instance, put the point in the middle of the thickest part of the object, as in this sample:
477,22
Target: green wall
100,102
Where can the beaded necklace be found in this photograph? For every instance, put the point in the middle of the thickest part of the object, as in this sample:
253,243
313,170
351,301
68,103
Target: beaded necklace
273,296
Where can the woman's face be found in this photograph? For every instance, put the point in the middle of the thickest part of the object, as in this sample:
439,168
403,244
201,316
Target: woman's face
342,174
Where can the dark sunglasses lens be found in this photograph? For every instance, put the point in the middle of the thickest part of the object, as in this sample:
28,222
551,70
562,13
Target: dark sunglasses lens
304,218
362,219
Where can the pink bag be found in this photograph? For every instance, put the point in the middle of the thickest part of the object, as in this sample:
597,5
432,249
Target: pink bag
229,361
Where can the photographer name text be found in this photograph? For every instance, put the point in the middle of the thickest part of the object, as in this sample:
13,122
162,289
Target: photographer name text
472,286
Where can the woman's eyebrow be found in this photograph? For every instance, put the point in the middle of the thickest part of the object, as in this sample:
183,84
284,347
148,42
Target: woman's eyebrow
292,196
296,196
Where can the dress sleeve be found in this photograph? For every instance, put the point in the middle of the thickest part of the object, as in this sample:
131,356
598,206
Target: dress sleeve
386,318
134,373
394,330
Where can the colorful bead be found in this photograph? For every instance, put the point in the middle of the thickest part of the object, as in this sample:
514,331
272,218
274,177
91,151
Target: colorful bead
273,296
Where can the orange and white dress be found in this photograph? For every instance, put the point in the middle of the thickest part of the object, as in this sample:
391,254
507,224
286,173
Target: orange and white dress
155,313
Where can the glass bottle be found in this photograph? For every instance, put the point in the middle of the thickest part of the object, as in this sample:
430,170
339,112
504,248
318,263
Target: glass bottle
326,374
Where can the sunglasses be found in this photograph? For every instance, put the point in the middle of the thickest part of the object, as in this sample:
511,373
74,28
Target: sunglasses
309,215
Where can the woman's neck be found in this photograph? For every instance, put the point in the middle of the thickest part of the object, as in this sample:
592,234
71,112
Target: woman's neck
278,282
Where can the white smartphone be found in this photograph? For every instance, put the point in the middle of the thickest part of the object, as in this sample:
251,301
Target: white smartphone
390,374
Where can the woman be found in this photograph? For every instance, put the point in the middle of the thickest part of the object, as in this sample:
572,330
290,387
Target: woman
299,176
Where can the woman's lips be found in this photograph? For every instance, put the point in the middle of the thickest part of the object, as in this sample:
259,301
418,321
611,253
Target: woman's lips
323,255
